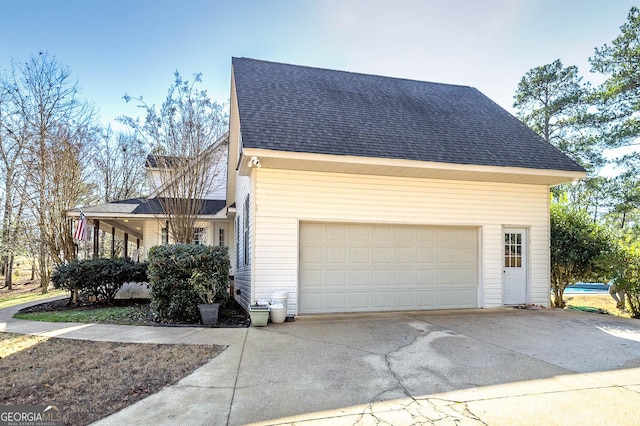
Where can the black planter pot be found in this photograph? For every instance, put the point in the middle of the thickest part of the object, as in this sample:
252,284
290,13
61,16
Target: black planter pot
209,313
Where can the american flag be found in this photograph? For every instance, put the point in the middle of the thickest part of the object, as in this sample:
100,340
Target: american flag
81,228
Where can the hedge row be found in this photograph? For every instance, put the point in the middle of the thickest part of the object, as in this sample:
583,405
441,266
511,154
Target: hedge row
99,277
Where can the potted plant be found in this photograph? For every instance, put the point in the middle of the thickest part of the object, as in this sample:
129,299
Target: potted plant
259,314
207,288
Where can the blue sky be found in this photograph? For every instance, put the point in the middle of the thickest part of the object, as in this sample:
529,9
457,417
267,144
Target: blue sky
115,47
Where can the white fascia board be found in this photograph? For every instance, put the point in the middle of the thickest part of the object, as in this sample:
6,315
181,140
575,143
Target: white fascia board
551,177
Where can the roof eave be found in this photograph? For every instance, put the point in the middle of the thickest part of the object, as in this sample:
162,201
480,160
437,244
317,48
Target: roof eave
402,168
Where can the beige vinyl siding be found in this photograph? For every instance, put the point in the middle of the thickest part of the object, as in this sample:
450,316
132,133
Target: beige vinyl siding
284,198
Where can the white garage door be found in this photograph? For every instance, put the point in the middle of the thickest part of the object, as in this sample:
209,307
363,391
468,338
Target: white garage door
359,267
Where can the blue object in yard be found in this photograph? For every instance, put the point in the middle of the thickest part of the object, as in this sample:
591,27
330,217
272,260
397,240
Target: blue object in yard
588,288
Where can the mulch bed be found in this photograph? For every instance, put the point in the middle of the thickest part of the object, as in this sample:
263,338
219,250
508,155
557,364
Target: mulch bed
231,313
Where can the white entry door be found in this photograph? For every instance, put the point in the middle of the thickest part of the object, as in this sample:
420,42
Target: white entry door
515,266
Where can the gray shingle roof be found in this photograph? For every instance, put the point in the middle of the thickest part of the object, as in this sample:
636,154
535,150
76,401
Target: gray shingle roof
148,206
302,109
154,206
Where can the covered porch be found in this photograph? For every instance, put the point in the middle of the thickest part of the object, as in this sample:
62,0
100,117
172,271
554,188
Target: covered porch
129,228
113,230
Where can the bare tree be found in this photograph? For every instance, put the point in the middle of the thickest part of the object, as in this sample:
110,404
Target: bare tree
59,129
118,166
184,137
13,137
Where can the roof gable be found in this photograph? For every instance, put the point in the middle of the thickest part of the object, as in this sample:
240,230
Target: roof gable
301,109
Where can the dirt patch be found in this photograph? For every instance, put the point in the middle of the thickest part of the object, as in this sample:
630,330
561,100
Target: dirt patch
90,380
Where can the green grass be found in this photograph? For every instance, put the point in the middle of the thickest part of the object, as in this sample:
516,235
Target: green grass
125,315
10,300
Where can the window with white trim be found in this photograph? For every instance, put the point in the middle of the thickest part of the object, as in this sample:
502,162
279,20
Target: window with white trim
221,237
164,235
238,232
246,231
199,236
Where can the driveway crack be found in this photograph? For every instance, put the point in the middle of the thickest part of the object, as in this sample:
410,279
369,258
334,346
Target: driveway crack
418,410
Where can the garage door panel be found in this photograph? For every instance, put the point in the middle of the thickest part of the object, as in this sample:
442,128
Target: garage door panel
426,299
466,256
383,255
336,233
445,277
405,299
446,236
405,234
445,255
382,277
463,237
312,301
360,233
360,255
359,267
466,278
446,298
468,298
359,301
312,232
425,234
404,255
312,254
360,277
425,255
313,279
405,277
336,278
382,234
425,277
383,300
336,254
337,302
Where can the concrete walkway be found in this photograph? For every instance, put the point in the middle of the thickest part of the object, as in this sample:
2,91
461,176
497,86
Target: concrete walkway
493,366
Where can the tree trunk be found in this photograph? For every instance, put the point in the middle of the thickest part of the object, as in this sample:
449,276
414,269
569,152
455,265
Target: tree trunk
558,295
44,270
8,277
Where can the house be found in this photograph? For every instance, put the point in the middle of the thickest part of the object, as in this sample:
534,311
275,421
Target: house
357,192
138,224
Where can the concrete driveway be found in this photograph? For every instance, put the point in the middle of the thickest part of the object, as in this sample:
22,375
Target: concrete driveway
497,367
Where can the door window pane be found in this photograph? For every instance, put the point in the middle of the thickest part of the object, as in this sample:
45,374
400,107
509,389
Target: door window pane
513,250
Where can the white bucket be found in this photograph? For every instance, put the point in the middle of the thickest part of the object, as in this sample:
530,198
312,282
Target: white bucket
279,298
277,313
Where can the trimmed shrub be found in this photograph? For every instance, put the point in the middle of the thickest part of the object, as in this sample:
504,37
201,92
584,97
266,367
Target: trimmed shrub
99,277
627,273
177,272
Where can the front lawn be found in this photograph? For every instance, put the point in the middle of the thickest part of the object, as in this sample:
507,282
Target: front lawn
598,301
25,291
136,314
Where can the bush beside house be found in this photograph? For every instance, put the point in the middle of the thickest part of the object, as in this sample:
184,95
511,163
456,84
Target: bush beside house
626,274
174,271
101,278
